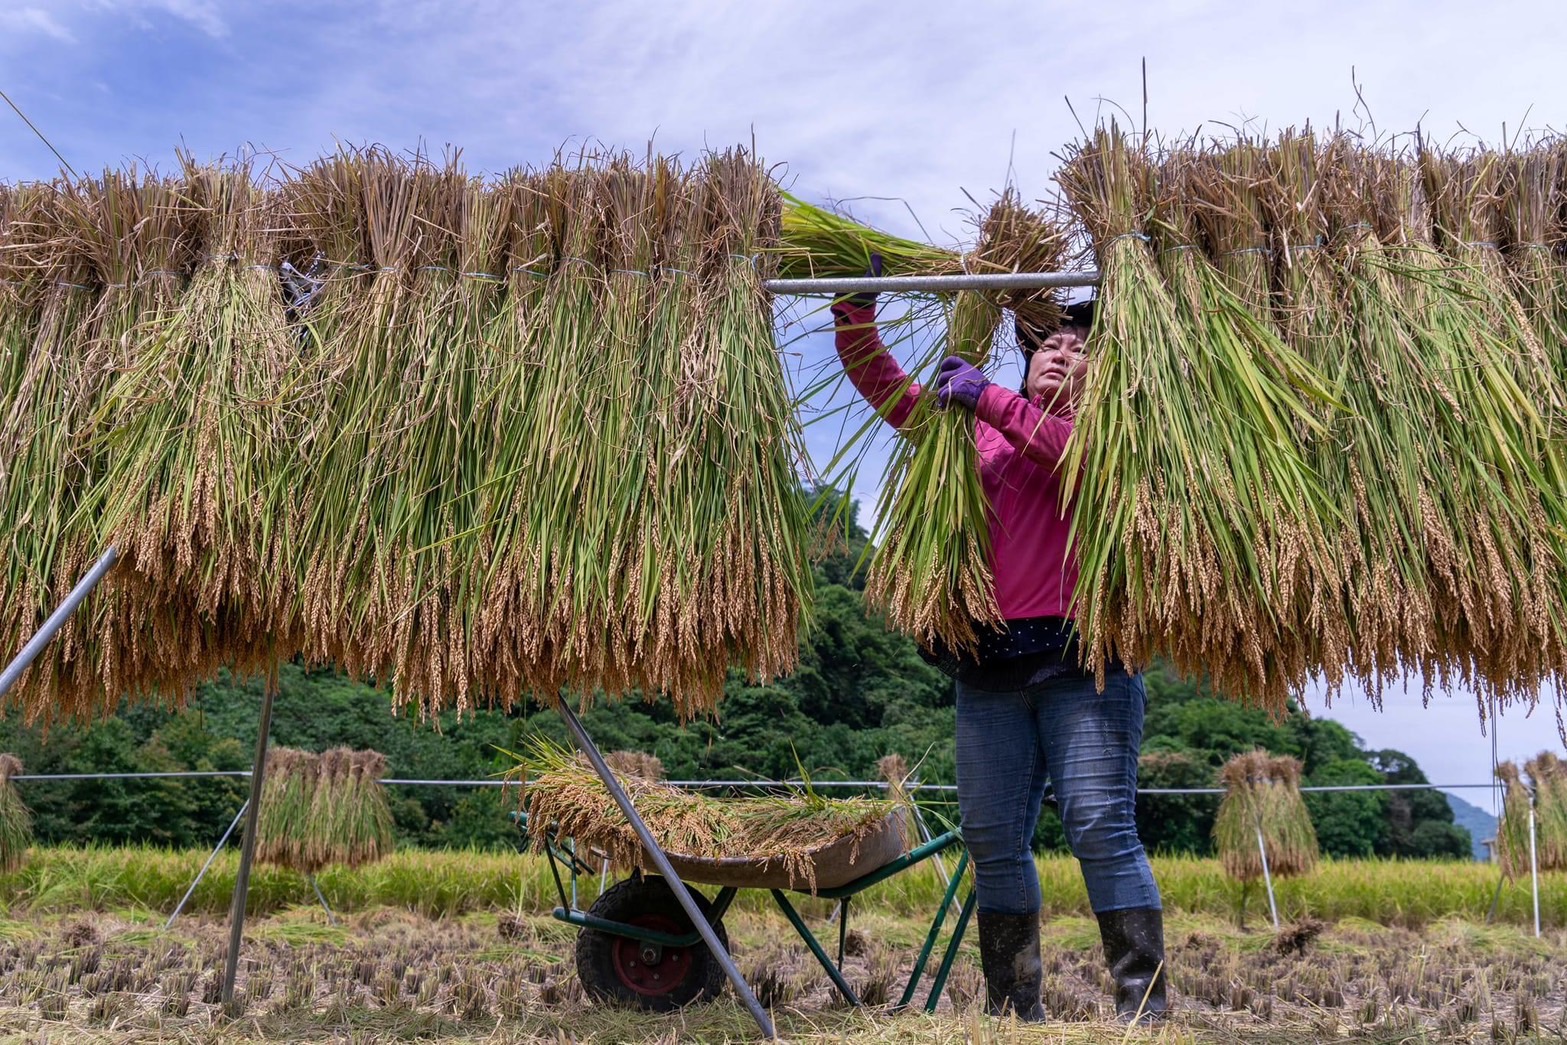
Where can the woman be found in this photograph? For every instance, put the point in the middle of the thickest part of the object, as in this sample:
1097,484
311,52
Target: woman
1027,714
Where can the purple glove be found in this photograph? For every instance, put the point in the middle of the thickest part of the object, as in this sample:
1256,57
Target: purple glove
862,299
959,382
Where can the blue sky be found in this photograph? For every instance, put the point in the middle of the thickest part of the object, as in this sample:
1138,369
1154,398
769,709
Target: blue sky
897,107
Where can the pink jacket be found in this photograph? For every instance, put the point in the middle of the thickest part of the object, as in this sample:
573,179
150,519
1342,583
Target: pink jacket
1020,447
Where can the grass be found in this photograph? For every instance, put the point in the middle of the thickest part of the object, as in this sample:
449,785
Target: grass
1404,894
387,975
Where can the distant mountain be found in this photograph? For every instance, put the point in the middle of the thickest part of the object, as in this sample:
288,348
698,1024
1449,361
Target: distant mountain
1481,825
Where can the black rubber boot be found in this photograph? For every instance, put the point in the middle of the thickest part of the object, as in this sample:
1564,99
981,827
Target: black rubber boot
1009,955
1134,949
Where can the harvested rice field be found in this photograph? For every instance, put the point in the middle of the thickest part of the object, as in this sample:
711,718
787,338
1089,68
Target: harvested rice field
386,973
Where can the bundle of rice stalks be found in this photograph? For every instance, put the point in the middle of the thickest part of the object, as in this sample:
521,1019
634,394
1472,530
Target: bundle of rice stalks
637,764
1534,206
523,436
318,810
1512,830
113,253
894,769
1262,794
1190,529
16,821
1548,776
931,574
818,243
565,798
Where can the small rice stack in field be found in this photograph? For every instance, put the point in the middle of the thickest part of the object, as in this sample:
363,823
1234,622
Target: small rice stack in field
931,573
1548,776
16,821
318,810
565,798
1262,793
1512,830
283,823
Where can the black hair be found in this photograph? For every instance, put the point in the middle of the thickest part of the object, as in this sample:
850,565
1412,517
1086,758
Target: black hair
1079,315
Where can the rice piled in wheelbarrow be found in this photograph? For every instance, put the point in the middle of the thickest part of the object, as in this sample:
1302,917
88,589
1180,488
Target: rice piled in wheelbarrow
793,840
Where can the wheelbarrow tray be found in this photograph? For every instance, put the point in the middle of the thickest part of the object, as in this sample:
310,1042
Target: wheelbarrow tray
834,864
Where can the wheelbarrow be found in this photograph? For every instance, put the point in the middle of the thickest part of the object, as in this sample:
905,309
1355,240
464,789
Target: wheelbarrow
637,947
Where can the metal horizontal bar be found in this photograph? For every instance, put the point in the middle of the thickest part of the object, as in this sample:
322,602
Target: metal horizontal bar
960,281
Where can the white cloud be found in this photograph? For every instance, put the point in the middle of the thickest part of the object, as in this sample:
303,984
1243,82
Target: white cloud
17,23
203,14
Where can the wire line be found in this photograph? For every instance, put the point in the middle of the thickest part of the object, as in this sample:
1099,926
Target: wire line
40,134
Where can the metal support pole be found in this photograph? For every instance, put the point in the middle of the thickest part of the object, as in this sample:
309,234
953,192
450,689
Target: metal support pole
661,862
332,918
939,284
34,646
1267,872
247,852
1534,866
206,866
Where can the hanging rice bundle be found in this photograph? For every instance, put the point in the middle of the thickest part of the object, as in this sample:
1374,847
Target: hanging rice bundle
1262,806
1532,201
1548,777
931,573
1189,529
1503,379
318,810
16,821
201,413
565,798
1251,539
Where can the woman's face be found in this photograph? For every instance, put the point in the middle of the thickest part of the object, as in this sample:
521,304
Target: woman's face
1058,369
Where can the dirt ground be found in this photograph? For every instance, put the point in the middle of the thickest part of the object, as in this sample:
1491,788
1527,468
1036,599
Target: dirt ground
388,975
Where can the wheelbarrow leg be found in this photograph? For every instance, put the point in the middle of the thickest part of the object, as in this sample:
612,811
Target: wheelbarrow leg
816,948
661,862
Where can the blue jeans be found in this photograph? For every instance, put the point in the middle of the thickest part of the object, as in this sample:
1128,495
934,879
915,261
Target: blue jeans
1086,743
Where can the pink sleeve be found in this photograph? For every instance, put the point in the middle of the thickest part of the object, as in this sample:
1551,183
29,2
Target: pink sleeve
1039,436
871,368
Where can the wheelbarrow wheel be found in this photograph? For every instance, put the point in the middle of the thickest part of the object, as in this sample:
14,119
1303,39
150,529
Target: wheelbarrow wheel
623,971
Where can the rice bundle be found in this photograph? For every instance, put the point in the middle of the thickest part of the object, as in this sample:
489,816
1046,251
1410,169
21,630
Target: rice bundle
638,764
16,821
1262,794
931,574
1512,830
318,810
1189,529
565,798
1548,777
